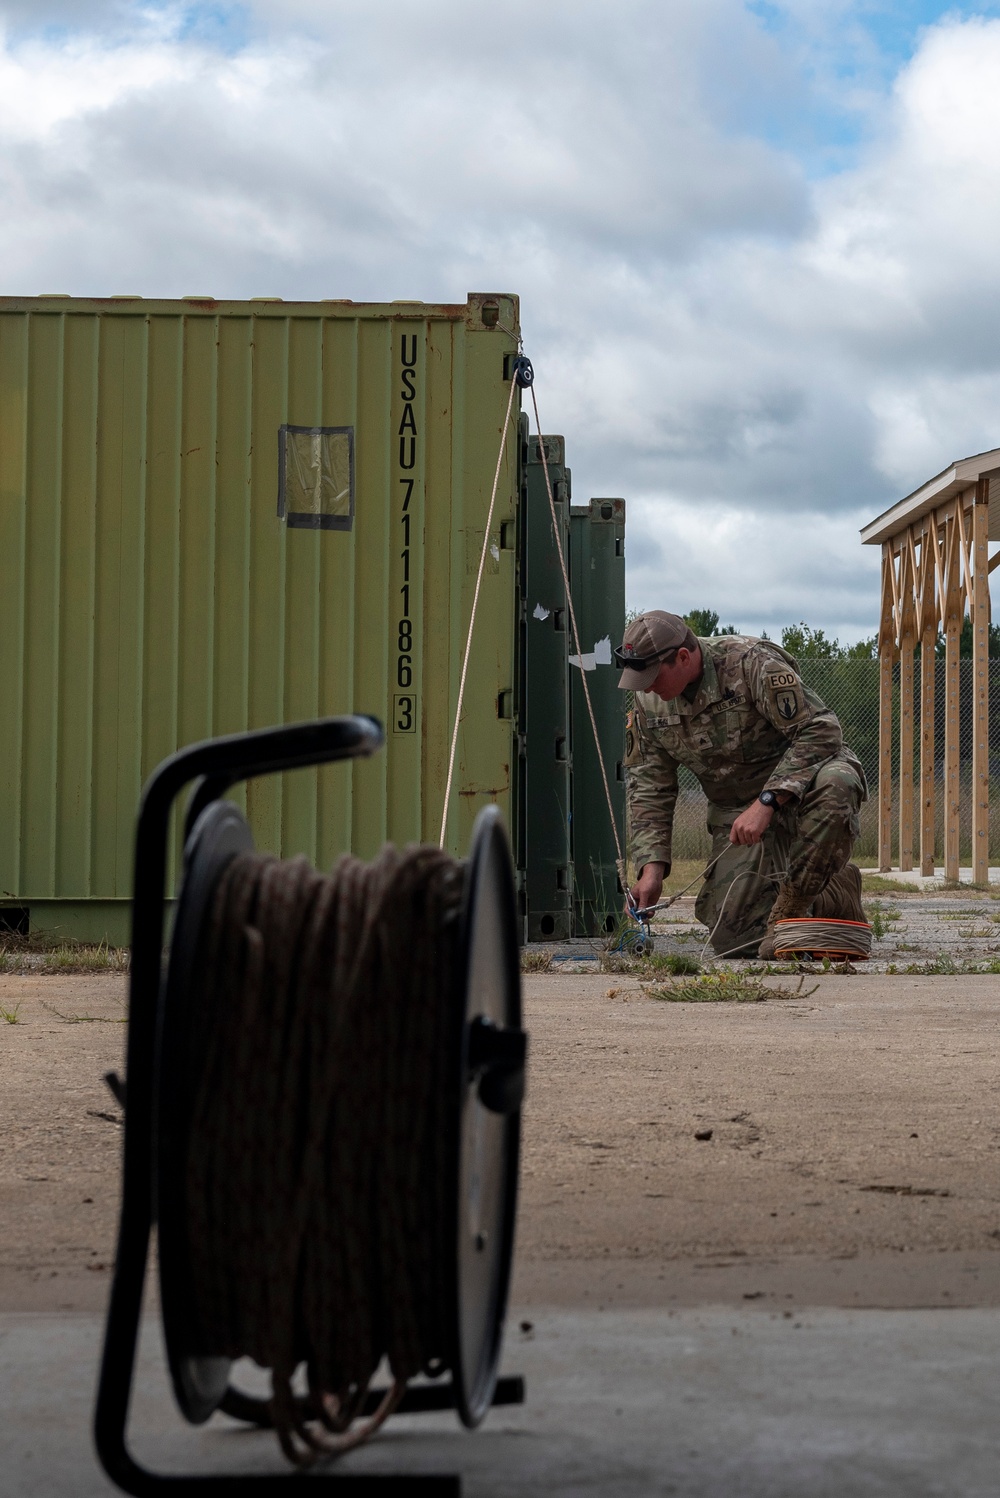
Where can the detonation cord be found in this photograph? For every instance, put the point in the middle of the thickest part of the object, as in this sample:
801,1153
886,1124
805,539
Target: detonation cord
323,1098
514,385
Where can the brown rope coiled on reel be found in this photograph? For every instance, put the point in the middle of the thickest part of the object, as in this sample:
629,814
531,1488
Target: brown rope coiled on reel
320,1139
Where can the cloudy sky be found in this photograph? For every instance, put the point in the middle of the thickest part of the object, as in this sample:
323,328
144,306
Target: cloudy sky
756,243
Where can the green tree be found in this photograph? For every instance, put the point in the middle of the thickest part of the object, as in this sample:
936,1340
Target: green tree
705,622
806,643
965,641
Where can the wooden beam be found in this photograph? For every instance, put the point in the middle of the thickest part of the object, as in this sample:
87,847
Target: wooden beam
927,663
897,620
964,543
885,761
906,751
953,612
980,687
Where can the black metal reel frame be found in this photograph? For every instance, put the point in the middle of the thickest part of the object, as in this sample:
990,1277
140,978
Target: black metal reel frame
216,765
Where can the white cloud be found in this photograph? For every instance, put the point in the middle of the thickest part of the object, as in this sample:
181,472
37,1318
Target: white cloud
757,362
759,572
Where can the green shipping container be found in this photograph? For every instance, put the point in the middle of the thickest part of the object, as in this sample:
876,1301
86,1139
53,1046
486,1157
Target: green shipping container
216,516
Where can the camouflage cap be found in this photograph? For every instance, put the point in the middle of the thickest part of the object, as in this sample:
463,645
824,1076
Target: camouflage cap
647,639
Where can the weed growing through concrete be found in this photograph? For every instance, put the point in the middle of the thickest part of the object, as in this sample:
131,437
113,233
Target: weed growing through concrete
536,962
10,1015
879,917
673,963
45,954
84,1019
724,988
943,966
676,963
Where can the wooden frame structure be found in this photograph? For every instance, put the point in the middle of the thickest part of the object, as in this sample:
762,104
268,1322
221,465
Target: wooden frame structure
935,570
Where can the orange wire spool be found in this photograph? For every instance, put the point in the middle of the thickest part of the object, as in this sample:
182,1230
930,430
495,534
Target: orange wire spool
810,936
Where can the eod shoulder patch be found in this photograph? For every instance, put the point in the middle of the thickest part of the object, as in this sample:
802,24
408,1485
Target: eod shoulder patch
632,754
785,690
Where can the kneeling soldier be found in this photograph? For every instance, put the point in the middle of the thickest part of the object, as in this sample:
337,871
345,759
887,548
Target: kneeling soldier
783,788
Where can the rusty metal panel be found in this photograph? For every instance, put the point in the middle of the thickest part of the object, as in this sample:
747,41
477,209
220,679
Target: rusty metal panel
152,595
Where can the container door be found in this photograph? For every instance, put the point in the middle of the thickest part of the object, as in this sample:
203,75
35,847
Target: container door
597,577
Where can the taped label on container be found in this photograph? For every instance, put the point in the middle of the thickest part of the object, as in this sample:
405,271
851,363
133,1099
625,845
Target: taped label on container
599,656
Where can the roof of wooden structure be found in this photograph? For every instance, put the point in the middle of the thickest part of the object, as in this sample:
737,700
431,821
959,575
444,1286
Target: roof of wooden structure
955,479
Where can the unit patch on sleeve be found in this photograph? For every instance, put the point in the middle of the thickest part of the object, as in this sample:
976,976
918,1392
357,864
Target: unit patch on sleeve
787,703
633,747
778,679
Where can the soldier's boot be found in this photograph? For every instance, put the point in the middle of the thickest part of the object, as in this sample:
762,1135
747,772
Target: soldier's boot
841,899
787,906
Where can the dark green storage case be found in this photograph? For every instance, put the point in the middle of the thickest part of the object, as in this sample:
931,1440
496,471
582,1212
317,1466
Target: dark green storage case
544,765
597,579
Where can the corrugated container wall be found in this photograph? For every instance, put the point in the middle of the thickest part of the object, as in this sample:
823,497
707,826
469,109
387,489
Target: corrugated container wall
216,516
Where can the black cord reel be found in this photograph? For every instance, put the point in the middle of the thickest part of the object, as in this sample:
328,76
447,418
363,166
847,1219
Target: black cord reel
487,1050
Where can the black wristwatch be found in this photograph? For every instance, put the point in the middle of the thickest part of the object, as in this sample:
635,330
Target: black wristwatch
768,798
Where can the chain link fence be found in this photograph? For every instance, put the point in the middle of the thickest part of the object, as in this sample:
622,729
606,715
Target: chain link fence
851,688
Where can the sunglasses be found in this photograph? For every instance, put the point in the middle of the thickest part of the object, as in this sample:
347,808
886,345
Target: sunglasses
642,662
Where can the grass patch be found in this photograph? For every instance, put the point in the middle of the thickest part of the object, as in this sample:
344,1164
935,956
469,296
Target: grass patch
536,962
10,1015
44,954
681,873
677,964
880,916
651,964
884,884
723,988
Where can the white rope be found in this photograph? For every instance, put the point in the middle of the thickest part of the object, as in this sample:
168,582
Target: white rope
851,940
620,861
472,616
648,911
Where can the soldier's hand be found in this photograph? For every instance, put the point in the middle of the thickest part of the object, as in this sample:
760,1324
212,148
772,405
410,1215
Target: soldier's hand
751,824
649,886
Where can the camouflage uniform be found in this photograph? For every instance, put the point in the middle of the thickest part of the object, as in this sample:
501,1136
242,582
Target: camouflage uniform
752,726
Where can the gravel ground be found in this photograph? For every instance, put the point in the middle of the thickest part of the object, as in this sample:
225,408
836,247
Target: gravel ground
919,933
838,1146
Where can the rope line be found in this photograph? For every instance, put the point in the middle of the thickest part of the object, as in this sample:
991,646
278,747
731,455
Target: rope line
320,1128
472,616
851,940
620,859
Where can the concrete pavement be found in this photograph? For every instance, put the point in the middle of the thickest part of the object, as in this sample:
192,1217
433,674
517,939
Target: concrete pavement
699,1403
